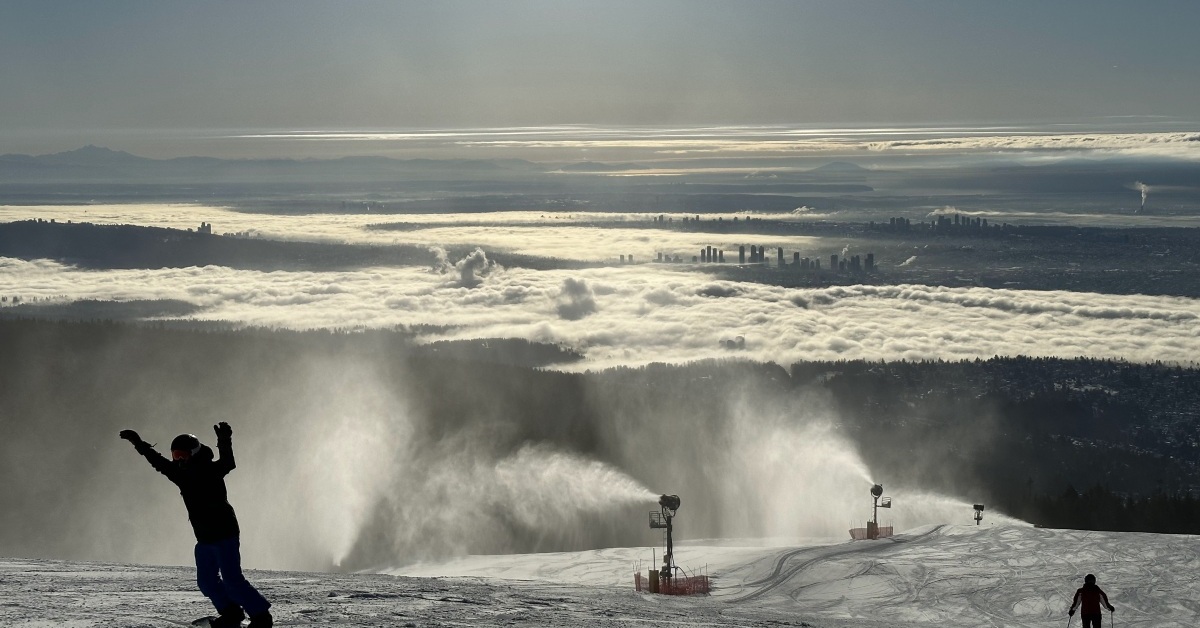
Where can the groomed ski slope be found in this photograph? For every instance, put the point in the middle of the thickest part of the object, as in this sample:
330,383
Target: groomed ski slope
951,575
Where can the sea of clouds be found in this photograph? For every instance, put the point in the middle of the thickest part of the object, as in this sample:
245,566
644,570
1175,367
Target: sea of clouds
615,315
629,315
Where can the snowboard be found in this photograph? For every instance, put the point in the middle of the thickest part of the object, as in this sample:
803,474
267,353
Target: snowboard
207,622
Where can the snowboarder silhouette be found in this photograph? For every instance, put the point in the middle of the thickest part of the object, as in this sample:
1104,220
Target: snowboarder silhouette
201,482
1090,596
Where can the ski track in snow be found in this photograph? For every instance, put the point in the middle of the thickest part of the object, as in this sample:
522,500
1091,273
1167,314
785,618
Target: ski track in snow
1010,576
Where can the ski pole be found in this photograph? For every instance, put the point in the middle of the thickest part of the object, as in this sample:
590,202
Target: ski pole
1069,618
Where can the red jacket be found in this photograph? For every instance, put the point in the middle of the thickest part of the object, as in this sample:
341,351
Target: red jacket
1090,595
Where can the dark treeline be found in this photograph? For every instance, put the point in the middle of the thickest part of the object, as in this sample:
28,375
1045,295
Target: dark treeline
1029,428
1101,509
1014,433
128,246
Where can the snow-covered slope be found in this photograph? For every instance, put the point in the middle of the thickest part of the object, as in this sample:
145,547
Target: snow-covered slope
1001,575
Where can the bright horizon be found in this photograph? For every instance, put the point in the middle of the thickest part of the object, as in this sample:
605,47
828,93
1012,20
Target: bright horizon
144,77
1121,137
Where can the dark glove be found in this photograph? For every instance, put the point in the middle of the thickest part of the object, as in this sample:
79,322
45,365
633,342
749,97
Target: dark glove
1110,608
223,430
131,436
1071,612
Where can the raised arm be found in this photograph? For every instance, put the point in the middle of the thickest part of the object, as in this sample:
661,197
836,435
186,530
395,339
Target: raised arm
156,460
225,463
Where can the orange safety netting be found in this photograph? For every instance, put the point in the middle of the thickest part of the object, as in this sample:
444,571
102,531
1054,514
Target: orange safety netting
862,534
679,585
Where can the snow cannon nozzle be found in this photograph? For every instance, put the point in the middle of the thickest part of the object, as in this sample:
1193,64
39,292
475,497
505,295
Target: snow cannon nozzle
877,490
670,502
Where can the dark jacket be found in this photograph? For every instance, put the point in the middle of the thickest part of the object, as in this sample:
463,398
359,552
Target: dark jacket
1090,596
201,482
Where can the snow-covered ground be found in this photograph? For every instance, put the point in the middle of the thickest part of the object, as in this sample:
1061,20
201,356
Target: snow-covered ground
950,575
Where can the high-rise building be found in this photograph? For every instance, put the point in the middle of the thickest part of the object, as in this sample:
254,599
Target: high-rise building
742,254
833,262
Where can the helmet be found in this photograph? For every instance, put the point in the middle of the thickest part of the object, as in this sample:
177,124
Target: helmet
185,443
1090,579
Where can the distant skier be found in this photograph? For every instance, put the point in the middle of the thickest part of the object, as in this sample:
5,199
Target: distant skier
1090,596
201,482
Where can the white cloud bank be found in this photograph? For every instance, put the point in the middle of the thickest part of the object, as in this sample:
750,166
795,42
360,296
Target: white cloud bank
1180,145
742,140
639,314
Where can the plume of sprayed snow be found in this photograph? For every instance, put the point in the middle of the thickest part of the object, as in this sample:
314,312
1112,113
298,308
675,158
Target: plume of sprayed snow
781,472
472,268
1144,189
451,496
576,300
845,251
915,507
538,480
908,262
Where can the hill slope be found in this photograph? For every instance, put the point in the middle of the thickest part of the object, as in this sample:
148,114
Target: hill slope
997,575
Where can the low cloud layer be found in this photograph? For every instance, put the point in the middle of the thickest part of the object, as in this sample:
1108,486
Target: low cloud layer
576,299
766,141
640,314
1183,145
743,140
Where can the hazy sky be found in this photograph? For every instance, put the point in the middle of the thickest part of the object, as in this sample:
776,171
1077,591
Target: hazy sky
70,68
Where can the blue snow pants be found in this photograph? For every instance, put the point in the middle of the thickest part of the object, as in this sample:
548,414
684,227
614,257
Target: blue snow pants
219,575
